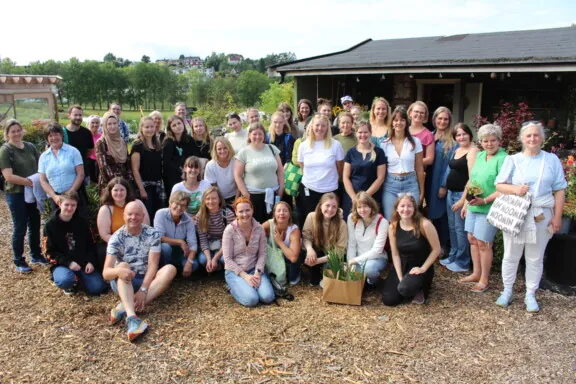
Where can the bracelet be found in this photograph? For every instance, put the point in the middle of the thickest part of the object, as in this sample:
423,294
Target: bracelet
484,200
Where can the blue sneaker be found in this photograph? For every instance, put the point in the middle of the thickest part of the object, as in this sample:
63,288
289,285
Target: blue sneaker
23,267
136,327
117,314
531,303
445,261
504,300
456,268
39,261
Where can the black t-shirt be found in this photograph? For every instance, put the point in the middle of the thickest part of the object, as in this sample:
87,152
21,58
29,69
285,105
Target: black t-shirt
200,149
82,141
150,162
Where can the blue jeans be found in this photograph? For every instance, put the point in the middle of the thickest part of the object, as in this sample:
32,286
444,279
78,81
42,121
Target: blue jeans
395,185
170,254
93,283
247,295
201,257
24,215
459,245
373,268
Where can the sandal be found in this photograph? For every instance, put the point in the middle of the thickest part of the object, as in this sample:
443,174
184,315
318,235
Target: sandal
479,288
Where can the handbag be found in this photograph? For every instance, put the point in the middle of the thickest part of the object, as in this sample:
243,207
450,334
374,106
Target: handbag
275,265
508,212
292,179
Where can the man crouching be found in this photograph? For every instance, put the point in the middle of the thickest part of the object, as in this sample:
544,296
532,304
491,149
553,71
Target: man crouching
132,258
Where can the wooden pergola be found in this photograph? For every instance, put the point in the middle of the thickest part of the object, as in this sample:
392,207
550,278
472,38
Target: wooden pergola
15,87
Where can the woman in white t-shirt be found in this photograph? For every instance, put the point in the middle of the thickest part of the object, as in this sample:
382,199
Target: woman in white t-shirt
220,170
259,173
192,184
405,173
321,159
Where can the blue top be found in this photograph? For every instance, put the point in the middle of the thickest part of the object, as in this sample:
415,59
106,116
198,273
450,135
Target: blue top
529,170
378,140
363,171
436,178
184,230
60,170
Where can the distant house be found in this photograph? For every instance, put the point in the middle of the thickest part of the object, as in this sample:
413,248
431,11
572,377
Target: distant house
209,72
469,73
192,61
235,59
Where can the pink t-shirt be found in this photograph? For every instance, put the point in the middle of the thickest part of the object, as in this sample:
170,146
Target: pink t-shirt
426,138
95,138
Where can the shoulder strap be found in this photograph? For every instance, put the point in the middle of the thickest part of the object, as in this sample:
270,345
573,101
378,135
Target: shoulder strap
271,150
224,218
286,140
65,132
109,210
380,217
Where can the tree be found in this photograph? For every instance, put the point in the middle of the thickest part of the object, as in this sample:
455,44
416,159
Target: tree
276,94
110,58
181,57
216,61
199,83
145,59
249,87
7,66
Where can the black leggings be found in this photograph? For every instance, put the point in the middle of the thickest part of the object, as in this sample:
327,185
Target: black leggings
396,292
307,204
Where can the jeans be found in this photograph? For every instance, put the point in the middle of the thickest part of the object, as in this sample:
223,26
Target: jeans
372,268
202,258
395,185
247,295
24,215
65,278
171,254
152,202
459,246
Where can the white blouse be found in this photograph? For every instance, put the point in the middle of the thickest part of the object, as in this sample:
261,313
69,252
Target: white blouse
403,163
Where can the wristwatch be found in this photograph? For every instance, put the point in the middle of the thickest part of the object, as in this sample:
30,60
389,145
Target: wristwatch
258,271
143,289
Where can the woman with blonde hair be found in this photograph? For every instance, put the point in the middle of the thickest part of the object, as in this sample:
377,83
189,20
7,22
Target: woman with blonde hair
367,234
364,168
220,170
286,109
321,159
212,219
201,142
323,229
380,119
146,161
414,246
279,135
159,124
346,136
111,153
435,185
417,116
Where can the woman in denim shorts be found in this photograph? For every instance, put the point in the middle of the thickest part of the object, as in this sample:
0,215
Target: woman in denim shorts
480,233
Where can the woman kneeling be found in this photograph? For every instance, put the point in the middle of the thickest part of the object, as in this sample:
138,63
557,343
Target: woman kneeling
244,248
415,246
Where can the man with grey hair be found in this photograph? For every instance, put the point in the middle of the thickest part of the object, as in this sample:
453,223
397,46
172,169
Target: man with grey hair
132,260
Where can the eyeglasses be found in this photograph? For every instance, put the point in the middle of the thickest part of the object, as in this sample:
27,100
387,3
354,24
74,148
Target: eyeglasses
535,122
405,194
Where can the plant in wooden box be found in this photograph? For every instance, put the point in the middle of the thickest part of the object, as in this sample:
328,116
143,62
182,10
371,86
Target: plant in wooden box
473,191
569,211
342,284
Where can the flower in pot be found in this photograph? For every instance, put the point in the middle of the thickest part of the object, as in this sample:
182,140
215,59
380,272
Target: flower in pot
473,191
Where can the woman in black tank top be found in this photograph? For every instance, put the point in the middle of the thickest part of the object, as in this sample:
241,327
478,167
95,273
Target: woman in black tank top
415,246
458,260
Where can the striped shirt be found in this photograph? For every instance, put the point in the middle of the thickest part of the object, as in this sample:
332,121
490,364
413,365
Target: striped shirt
216,225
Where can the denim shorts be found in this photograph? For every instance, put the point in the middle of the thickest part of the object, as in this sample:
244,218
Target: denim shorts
136,283
477,225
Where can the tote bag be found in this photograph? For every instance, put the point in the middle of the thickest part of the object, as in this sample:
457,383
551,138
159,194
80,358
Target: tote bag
275,264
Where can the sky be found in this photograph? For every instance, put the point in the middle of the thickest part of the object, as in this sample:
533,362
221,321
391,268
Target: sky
60,29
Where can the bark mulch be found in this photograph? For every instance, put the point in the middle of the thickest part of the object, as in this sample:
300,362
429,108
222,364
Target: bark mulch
199,334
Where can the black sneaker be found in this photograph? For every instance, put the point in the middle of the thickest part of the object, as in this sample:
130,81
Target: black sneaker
23,267
71,291
39,261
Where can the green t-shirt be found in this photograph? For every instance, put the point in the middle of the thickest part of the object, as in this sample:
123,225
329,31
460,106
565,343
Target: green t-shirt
25,164
484,173
260,166
347,141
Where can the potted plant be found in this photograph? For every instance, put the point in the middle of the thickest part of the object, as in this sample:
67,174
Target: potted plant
473,191
569,211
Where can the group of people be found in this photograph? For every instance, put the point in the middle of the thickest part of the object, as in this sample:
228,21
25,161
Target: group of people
368,188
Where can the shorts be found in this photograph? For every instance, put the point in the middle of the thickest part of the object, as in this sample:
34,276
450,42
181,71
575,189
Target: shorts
136,283
477,225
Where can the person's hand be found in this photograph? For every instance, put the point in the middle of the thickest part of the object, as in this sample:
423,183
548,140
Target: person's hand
463,211
522,189
31,183
126,274
57,199
352,262
279,236
211,265
246,195
74,266
442,193
457,205
143,194
421,199
311,257
184,246
555,223
417,271
248,279
476,201
195,219
89,268
256,280
139,301
187,271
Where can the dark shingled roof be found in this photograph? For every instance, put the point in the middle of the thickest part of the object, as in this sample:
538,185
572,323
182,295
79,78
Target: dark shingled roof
544,46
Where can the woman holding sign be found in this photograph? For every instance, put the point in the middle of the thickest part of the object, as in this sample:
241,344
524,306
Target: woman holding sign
539,173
